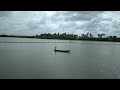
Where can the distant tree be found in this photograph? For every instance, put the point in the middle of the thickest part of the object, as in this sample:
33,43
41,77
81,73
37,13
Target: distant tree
83,35
114,36
37,36
91,36
87,34
111,37
101,35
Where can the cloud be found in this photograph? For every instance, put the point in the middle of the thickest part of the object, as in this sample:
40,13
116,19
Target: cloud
77,22
5,13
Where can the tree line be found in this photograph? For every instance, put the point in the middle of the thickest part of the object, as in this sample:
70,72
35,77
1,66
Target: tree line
65,36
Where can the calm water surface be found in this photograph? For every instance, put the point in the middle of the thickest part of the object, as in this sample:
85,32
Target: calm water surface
87,59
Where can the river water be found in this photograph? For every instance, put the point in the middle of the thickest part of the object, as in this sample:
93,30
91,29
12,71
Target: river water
24,58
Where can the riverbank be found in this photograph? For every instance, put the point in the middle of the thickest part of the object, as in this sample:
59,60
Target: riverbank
64,36
96,39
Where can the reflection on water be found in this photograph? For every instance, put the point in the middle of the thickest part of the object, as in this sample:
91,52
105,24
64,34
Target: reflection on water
33,59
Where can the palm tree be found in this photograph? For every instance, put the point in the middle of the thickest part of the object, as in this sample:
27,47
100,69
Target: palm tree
100,35
83,35
103,34
91,36
87,34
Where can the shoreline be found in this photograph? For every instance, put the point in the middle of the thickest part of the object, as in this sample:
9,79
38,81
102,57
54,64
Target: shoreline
62,39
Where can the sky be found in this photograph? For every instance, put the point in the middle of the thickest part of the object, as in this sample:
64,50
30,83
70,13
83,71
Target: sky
73,22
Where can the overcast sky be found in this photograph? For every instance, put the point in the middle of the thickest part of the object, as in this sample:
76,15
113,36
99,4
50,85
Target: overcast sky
76,22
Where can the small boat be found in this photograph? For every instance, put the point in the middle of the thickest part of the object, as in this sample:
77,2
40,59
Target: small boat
61,50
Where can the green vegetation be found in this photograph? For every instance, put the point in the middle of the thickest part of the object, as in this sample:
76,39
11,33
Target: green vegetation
65,36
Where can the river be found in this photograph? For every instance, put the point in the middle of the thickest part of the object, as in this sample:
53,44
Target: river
25,58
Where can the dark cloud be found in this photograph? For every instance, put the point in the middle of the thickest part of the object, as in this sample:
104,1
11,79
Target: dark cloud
81,15
78,22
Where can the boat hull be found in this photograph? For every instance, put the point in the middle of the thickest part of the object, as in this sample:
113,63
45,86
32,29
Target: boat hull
62,50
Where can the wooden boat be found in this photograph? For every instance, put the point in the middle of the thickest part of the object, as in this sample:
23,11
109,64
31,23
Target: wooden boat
61,50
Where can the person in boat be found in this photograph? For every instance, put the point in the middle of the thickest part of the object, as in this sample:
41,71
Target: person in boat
55,47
